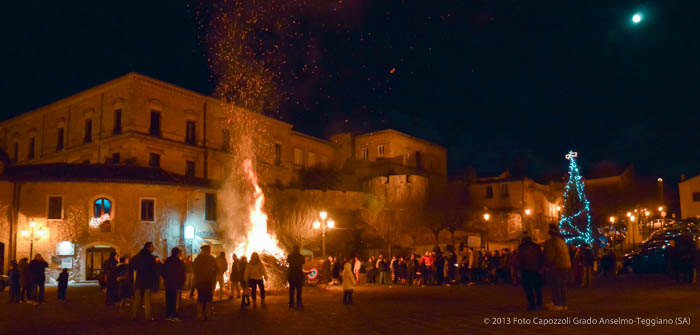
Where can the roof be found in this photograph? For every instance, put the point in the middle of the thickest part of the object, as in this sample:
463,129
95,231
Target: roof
396,132
62,172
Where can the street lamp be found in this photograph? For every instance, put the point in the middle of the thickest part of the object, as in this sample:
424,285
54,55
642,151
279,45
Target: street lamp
189,235
612,219
325,223
528,211
32,235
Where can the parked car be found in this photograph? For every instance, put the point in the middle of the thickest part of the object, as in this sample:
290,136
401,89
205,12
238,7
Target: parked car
652,254
4,281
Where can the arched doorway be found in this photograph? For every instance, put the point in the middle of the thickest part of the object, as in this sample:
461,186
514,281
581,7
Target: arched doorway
95,256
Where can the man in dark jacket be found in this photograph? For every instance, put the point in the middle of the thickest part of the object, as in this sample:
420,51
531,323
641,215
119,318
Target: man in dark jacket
109,269
295,276
587,259
37,267
174,276
205,269
530,262
144,265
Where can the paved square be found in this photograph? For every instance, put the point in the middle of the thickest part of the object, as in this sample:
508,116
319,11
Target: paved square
382,310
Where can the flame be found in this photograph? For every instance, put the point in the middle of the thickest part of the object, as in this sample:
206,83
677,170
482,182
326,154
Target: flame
257,238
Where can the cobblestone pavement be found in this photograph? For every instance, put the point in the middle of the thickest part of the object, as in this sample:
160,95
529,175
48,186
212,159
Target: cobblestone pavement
383,310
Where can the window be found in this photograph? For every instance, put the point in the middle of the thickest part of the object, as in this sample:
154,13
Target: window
189,170
88,131
405,158
189,136
696,196
311,159
226,140
278,154
419,160
59,140
504,191
298,157
154,162
364,153
489,192
32,144
210,206
148,210
117,121
55,208
102,215
15,156
154,130
380,150
115,158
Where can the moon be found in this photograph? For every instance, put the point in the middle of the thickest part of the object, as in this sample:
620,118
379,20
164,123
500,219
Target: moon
636,18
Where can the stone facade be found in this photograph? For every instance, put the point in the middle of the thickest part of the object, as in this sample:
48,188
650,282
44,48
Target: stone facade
515,205
689,193
139,122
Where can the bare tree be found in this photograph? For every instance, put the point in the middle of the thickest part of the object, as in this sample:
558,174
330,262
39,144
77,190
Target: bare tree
294,216
383,220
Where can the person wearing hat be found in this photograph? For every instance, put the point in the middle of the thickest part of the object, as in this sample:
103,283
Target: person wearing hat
530,263
556,254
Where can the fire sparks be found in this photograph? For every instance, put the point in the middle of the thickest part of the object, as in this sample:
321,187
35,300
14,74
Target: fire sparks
257,238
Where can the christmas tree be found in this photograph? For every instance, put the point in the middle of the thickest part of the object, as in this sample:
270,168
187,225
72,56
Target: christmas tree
575,222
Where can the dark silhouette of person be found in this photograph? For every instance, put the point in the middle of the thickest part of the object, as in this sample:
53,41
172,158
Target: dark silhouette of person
295,275
174,277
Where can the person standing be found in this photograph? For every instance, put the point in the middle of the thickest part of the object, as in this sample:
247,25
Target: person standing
109,268
255,274
295,275
245,295
174,277
587,260
62,285
146,279
336,271
349,283
356,269
234,278
383,269
205,271
38,269
13,276
189,273
411,266
222,265
530,262
559,263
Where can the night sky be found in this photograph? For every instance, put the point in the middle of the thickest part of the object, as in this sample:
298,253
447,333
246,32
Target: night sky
499,83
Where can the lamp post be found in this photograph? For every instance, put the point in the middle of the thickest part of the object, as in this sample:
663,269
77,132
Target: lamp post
189,235
32,235
487,217
325,222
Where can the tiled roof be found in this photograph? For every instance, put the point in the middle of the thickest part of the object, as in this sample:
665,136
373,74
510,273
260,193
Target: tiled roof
98,173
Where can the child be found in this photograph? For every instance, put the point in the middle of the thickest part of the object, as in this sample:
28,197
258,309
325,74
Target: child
62,285
349,283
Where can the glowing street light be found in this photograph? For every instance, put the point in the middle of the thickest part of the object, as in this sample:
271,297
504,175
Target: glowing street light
558,208
612,219
33,235
528,211
661,208
325,222
629,214
487,216
189,235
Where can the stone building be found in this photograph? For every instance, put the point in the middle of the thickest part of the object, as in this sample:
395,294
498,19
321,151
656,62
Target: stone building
136,159
514,205
689,194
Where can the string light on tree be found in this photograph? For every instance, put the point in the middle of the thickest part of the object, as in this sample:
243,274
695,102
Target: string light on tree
575,222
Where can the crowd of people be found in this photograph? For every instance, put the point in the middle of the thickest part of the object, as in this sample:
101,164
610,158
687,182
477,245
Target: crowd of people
131,281
27,280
